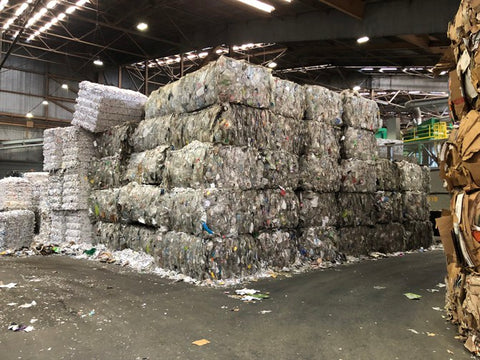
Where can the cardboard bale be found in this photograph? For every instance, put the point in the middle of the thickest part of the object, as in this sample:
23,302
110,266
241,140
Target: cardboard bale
103,205
115,141
321,139
457,103
107,172
52,149
199,165
78,228
288,98
358,144
471,304
355,241
100,107
358,176
146,167
16,229
15,194
359,112
318,209
323,105
388,175
356,209
319,244
388,207
388,238
319,173
221,81
415,206
418,234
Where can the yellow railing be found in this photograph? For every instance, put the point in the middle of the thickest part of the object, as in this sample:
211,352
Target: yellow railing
437,131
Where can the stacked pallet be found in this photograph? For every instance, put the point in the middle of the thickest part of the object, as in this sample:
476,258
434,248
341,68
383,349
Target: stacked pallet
459,168
17,220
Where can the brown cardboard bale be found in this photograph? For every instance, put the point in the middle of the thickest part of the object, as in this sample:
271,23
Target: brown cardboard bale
469,226
455,295
457,102
445,227
471,305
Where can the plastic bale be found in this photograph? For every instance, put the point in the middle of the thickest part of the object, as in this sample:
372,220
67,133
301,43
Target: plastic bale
147,167
276,249
52,149
107,172
355,241
359,144
225,80
321,139
323,105
388,207
319,244
144,204
100,107
78,228
288,98
356,209
415,206
388,175
418,234
319,173
15,194
426,181
16,229
389,238
181,252
411,176
76,189
359,112
77,149
358,176
103,205
115,141
318,209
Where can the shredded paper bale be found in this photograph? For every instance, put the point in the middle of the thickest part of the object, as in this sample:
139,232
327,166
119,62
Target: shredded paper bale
358,176
388,175
319,244
77,148
39,184
356,209
323,105
318,209
225,80
75,189
235,125
320,174
57,227
52,149
388,207
78,228
15,194
55,190
359,112
16,229
359,144
100,107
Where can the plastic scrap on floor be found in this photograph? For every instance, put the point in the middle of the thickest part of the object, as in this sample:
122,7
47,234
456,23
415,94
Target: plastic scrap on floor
201,342
8,286
441,285
263,312
377,287
246,291
436,308
433,290
414,331
429,334
90,252
412,296
28,305
20,327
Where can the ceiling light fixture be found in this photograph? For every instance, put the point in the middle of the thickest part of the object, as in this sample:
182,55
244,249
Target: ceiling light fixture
363,39
444,72
81,2
44,102
98,62
65,86
272,64
71,10
142,26
3,3
29,115
21,9
51,4
356,88
258,5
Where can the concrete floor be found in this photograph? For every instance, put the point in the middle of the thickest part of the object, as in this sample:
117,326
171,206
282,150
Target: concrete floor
331,314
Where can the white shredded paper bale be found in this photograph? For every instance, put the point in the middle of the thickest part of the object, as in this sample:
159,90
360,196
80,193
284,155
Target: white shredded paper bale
221,81
100,107
78,228
15,194
52,149
359,112
76,189
16,229
57,227
323,105
39,184
55,190
78,149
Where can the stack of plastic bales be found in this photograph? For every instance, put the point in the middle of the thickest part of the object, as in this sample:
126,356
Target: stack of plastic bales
17,220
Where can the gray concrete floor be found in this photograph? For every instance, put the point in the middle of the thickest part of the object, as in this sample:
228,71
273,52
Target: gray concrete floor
331,314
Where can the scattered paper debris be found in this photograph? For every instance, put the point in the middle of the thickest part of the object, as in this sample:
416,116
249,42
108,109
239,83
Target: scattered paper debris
201,342
436,308
8,286
431,334
246,291
412,296
263,312
33,321
12,304
376,287
433,290
441,285
414,331
450,351
20,327
28,305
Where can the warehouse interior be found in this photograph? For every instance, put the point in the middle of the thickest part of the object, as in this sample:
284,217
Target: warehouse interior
282,145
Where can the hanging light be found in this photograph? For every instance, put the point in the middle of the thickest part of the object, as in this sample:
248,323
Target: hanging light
363,39
260,5
272,64
142,26
98,62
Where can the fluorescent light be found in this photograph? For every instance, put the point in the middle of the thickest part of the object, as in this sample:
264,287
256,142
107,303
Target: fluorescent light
356,88
65,86
388,69
142,26
203,54
363,39
367,69
29,115
51,4
98,62
444,72
45,102
81,2
71,9
21,9
414,92
61,16
272,64
3,3
258,5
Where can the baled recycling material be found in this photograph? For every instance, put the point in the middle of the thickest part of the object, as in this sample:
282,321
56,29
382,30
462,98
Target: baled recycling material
115,141
15,194
321,139
359,112
358,143
16,229
358,209
147,167
39,182
318,209
415,206
77,147
388,175
107,172
78,228
288,98
320,243
52,149
412,177
323,105
389,207
358,176
391,237
319,173
418,234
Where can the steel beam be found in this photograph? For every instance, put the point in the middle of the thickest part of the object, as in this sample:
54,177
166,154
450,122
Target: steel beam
353,8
